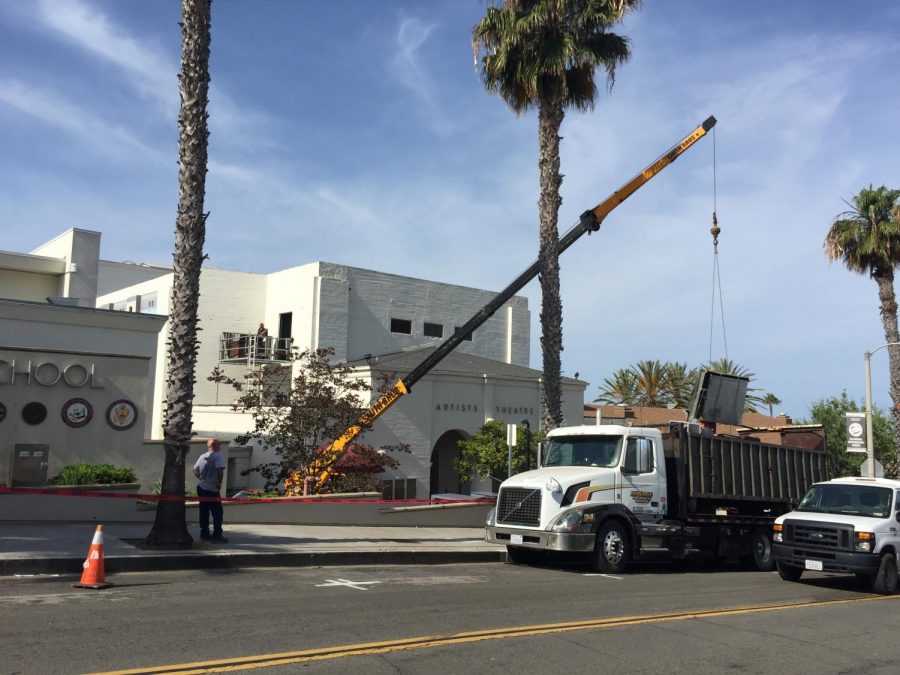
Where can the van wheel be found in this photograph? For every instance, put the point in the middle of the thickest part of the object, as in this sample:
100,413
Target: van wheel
885,580
763,559
789,572
611,549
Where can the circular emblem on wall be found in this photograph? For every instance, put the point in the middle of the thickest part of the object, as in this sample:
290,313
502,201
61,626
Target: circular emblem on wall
34,412
2,412
77,412
121,414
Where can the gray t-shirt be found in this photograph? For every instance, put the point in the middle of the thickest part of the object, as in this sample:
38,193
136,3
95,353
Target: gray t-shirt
208,465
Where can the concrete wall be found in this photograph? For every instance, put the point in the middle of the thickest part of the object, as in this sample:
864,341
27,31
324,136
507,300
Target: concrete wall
81,251
30,286
114,276
23,508
375,298
52,355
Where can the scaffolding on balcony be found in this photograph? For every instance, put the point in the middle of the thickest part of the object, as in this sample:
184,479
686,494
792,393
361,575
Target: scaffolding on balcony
253,349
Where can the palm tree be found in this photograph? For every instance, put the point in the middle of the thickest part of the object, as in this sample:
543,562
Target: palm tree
170,528
650,383
866,239
771,400
679,382
619,389
542,54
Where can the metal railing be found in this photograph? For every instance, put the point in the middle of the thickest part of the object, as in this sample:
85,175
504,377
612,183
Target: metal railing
252,349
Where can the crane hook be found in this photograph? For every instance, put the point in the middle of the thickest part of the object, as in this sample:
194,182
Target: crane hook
714,231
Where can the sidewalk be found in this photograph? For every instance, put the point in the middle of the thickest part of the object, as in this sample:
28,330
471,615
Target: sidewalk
46,548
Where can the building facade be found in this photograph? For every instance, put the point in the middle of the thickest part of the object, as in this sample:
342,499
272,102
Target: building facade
76,383
377,322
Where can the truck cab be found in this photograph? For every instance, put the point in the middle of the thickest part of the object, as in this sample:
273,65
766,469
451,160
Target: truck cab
594,481
845,525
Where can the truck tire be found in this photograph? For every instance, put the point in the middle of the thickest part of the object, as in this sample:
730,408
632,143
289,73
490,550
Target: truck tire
789,572
611,549
885,580
763,559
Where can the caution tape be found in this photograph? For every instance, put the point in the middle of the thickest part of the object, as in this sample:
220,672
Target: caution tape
316,499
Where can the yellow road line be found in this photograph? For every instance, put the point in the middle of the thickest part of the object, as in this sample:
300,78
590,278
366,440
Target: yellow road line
283,658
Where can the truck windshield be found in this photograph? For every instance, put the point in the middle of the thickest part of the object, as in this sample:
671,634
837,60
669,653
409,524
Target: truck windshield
583,451
858,500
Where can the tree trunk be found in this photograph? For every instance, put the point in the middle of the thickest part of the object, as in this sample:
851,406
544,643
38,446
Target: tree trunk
550,117
884,277
170,527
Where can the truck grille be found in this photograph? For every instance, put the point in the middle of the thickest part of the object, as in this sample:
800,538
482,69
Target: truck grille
519,506
818,535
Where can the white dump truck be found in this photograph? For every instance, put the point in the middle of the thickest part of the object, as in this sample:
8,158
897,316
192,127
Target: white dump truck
846,525
621,493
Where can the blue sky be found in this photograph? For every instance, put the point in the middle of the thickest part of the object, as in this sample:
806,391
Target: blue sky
358,132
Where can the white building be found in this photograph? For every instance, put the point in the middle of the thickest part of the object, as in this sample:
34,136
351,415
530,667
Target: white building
76,383
375,321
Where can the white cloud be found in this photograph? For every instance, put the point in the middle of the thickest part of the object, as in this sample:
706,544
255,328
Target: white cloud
94,133
411,36
152,71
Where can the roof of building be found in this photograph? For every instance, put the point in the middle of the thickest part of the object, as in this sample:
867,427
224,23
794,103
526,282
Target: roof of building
652,417
455,363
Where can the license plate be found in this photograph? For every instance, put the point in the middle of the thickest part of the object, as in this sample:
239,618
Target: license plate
517,539
814,565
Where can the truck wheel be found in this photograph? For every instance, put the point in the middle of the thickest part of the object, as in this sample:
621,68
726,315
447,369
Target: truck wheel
763,559
611,550
885,580
789,572
520,556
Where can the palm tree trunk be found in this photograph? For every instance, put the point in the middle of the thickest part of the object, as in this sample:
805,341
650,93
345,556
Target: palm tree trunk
170,527
550,117
884,277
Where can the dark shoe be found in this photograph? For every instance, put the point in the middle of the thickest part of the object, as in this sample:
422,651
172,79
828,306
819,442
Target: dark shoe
220,539
204,537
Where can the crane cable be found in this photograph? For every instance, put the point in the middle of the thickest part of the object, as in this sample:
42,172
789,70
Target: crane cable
717,277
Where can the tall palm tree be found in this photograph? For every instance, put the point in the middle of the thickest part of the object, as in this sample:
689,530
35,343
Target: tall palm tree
771,400
866,238
542,54
170,528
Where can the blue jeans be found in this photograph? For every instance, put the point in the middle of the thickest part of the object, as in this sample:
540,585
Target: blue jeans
207,509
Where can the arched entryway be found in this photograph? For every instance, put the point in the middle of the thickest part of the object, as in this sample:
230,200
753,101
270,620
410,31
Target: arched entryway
444,476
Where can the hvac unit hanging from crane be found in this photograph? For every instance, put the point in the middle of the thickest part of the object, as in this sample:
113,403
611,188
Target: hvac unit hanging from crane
316,476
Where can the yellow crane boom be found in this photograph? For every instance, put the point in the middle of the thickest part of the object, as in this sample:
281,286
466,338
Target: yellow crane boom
588,222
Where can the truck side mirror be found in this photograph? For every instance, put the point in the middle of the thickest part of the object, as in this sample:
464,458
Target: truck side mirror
638,458
897,516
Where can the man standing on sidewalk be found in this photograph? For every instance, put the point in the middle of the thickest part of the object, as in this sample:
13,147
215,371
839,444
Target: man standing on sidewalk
210,469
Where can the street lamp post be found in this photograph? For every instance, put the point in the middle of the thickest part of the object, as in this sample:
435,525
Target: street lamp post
870,444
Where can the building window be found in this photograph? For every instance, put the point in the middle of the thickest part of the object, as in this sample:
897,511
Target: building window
467,337
401,326
434,330
398,488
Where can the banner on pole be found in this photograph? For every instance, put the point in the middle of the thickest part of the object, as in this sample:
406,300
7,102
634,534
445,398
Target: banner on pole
856,431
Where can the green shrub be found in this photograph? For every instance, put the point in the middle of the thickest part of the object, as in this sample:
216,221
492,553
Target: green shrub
93,474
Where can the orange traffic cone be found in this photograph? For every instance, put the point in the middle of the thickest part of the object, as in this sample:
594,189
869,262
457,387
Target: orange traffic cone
93,576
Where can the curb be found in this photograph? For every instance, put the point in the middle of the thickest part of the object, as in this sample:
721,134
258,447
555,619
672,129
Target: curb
174,562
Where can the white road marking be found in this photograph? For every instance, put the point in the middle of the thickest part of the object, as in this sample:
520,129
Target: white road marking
358,585
608,576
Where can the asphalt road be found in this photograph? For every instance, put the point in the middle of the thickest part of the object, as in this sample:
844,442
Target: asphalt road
450,619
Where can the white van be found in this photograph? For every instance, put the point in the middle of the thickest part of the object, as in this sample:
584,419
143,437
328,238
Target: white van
849,525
